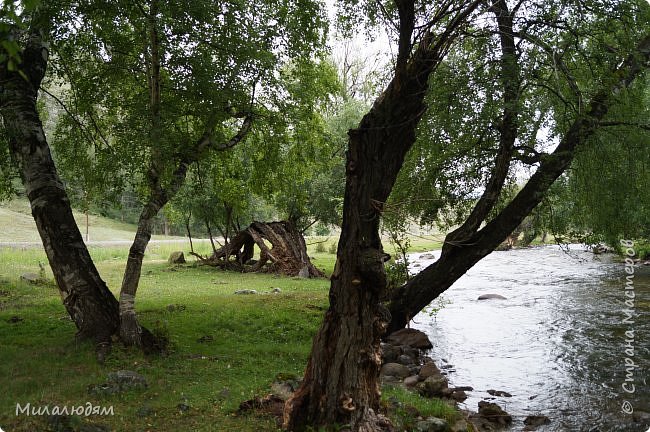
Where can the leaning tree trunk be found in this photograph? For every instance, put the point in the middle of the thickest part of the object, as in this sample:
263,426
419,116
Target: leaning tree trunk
461,254
91,305
341,384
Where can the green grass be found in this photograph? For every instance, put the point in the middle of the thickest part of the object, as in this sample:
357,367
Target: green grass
254,338
411,405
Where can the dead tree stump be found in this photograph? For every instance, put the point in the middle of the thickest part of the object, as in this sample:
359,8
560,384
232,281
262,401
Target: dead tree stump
282,250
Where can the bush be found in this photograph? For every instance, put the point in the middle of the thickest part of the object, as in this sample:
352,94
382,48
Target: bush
332,248
322,230
396,274
320,247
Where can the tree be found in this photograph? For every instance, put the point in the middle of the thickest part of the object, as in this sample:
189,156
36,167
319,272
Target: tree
86,297
150,94
341,378
575,111
603,197
162,84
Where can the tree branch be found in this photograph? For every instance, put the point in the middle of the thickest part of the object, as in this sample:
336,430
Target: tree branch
508,127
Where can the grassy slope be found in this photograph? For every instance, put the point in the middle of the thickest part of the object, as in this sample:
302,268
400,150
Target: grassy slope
18,225
254,338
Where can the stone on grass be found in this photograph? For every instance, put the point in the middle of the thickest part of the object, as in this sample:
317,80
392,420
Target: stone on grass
304,273
177,257
395,369
33,278
64,423
246,291
119,382
432,424
283,390
145,411
410,337
127,379
434,386
411,381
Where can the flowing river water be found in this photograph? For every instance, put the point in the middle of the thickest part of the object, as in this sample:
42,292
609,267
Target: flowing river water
557,343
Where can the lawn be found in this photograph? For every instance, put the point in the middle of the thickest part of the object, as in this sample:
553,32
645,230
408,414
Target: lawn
225,348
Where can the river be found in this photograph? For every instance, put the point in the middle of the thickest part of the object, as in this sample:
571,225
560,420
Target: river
557,343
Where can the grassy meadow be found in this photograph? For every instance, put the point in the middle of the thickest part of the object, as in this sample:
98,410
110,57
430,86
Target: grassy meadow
225,348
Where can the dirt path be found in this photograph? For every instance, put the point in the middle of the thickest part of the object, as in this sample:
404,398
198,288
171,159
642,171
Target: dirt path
101,243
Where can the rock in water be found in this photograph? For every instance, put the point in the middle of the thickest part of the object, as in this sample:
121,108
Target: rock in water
499,393
176,258
491,296
410,337
536,420
494,413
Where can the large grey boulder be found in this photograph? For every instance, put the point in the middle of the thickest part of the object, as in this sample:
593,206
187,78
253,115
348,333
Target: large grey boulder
410,337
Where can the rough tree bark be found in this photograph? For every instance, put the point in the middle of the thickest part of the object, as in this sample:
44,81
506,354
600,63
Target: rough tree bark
461,252
341,383
287,254
92,307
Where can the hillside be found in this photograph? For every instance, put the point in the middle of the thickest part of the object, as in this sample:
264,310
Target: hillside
18,225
